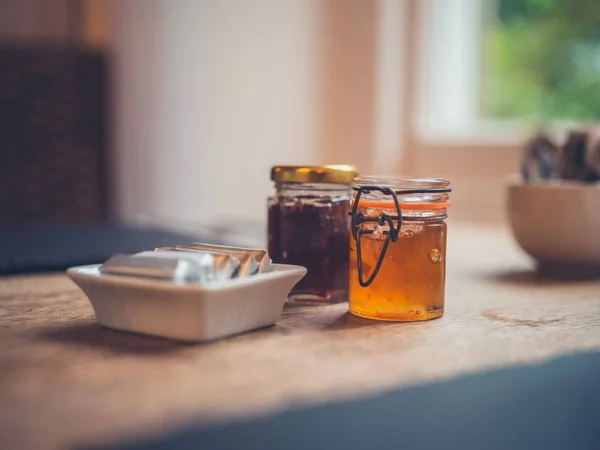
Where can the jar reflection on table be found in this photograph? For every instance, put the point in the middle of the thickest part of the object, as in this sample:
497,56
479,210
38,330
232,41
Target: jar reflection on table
309,226
410,284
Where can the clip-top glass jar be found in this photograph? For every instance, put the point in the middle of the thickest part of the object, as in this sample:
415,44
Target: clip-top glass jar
309,226
398,248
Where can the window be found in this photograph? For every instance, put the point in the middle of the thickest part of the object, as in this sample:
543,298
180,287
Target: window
541,60
489,69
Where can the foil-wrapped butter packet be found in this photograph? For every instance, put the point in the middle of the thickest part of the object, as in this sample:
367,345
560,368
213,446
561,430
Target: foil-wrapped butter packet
248,264
175,266
261,256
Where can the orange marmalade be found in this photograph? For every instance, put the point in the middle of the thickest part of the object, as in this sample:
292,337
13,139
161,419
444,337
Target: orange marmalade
403,280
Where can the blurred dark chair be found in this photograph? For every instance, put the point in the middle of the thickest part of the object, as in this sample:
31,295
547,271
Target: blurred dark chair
53,135
54,209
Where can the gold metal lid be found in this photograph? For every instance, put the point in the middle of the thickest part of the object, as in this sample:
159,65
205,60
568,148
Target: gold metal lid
336,174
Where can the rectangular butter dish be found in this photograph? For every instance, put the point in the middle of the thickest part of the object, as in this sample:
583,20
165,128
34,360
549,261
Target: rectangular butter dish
191,312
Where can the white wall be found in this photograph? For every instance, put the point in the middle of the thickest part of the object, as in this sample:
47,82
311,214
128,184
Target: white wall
208,95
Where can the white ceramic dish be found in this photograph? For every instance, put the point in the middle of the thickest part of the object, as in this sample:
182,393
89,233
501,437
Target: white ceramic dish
187,312
556,222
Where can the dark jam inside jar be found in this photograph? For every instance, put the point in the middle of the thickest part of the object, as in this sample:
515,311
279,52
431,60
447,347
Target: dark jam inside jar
312,229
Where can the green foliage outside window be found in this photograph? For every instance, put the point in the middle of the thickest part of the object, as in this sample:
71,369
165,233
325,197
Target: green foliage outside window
541,59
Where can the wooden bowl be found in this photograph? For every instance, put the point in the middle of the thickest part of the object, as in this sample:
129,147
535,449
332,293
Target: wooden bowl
557,222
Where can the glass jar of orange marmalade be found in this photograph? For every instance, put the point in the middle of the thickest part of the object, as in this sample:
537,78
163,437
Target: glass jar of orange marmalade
398,248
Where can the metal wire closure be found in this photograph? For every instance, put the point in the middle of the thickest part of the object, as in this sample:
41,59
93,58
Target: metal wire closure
392,234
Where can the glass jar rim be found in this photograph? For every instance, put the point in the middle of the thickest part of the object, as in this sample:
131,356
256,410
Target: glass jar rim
402,183
412,193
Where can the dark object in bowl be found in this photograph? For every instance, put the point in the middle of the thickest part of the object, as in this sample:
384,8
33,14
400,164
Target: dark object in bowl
572,162
594,163
578,159
539,159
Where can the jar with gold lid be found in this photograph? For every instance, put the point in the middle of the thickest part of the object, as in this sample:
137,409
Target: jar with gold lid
398,248
309,226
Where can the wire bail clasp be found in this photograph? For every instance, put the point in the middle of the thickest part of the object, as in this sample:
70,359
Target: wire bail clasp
357,232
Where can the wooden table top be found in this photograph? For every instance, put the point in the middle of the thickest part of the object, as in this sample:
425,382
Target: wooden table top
67,382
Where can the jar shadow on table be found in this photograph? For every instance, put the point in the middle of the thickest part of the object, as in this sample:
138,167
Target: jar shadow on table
328,318
93,335
350,321
545,274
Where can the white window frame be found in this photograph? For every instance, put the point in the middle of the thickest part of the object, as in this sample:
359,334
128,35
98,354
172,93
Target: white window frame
448,82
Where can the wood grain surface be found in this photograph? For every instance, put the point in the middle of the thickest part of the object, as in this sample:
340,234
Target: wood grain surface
66,382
